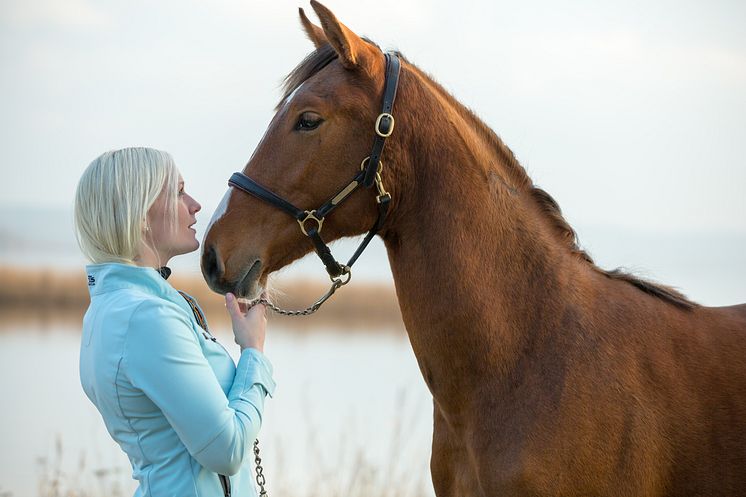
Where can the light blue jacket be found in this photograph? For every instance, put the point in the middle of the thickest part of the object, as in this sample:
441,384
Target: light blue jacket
169,395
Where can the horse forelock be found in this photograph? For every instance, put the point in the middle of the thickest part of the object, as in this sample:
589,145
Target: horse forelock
308,67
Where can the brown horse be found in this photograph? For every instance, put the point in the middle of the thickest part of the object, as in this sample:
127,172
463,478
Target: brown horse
549,375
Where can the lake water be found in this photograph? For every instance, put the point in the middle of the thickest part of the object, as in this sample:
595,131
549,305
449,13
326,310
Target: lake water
351,410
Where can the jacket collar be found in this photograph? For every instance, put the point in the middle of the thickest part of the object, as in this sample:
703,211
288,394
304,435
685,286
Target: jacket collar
111,276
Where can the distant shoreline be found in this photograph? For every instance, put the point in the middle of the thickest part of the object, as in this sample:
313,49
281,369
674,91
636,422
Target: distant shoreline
62,296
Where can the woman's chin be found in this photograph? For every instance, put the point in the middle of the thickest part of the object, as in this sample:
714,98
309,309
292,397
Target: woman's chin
186,248
192,245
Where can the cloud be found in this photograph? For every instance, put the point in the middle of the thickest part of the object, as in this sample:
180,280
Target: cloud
72,14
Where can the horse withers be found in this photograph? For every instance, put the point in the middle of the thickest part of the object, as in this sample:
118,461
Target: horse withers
550,376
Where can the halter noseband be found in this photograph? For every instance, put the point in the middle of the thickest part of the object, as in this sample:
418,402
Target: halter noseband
369,174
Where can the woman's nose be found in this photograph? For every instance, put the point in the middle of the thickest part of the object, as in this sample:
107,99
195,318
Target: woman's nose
196,207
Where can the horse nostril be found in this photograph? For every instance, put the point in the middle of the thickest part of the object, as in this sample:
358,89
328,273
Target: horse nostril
212,266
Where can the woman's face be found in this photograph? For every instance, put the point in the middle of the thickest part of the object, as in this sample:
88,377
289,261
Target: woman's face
182,239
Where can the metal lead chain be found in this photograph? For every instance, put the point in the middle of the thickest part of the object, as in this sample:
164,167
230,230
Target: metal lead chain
336,283
259,470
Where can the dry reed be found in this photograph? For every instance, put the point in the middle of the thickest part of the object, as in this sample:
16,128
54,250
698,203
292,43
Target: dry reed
62,296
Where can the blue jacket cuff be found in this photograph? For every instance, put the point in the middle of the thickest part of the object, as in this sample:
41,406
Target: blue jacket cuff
253,368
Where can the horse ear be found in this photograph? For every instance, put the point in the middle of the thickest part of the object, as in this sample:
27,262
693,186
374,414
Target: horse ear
349,46
314,33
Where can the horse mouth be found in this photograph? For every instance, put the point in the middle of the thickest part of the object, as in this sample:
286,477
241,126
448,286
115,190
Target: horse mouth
248,286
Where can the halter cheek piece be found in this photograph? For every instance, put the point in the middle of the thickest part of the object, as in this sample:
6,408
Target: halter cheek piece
312,221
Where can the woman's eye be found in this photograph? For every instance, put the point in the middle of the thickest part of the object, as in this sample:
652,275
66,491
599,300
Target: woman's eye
308,121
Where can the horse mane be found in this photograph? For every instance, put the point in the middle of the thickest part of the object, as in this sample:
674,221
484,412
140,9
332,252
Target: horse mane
521,181
567,234
519,178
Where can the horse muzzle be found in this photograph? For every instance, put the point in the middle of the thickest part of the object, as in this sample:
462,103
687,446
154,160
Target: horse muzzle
243,284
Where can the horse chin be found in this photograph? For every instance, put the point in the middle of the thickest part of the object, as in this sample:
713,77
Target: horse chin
250,286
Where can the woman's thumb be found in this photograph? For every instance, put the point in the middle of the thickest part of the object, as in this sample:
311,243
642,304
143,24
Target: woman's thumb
231,303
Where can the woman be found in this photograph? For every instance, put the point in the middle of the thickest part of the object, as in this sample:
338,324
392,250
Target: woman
169,394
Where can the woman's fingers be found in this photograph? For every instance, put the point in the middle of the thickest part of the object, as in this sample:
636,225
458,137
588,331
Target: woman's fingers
249,325
238,309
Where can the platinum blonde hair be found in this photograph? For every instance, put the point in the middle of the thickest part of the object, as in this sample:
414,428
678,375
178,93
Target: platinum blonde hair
112,201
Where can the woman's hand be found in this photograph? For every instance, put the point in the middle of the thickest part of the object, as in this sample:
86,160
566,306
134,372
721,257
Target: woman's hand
249,326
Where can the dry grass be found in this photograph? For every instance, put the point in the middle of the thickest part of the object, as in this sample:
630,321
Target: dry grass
337,468
83,481
358,478
62,296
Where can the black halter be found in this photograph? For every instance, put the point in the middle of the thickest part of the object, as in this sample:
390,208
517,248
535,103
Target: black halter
369,174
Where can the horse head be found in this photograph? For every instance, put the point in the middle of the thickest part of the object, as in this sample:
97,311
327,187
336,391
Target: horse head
315,143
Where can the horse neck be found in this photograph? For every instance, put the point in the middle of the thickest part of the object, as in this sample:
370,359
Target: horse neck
479,275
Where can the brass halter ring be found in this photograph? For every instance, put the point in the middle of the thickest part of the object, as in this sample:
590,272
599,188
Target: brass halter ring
312,216
365,162
343,278
379,182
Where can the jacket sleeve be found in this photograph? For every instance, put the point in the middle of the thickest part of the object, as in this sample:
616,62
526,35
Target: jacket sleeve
163,358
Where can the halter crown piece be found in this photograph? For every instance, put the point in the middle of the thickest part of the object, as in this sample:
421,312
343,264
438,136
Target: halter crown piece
311,222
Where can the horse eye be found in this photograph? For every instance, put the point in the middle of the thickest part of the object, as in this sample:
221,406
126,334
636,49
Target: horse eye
308,121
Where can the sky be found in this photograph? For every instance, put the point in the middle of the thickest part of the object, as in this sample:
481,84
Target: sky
630,113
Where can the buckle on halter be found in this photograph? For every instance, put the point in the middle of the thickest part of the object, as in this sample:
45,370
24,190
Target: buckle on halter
312,216
389,125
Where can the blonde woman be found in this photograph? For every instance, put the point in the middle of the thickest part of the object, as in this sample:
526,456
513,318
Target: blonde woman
169,394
